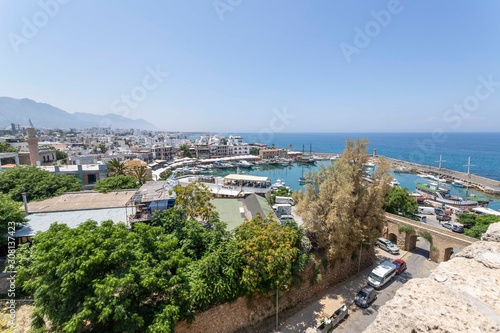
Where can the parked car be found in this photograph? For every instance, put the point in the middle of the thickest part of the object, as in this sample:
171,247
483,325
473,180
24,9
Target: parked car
365,296
387,245
455,227
446,225
443,217
438,211
400,266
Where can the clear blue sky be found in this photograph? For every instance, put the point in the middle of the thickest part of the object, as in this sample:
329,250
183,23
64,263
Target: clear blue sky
229,75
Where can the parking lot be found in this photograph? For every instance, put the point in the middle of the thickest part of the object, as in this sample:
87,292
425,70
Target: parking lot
304,319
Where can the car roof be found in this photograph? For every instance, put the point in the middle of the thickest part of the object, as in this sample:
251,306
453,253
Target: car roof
401,261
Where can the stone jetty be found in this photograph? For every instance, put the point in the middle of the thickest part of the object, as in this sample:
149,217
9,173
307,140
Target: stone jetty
483,184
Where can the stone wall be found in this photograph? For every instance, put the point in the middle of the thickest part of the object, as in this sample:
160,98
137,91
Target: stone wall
244,312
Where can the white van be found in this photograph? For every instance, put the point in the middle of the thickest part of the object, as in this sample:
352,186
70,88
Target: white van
382,274
284,200
420,217
426,210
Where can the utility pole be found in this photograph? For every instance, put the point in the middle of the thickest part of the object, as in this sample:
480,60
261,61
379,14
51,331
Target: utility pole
277,323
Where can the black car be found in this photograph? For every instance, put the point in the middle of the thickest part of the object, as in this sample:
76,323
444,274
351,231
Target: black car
365,296
443,217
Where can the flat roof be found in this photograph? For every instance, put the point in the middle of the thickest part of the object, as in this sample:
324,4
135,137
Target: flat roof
247,178
42,221
84,200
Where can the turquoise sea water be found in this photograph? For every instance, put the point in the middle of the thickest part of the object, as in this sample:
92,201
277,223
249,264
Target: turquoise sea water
422,148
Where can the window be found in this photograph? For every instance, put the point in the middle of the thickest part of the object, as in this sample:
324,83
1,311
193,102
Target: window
91,178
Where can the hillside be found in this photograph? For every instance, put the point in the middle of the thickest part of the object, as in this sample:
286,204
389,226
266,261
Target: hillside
18,111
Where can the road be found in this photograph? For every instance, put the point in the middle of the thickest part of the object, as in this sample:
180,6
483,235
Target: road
303,320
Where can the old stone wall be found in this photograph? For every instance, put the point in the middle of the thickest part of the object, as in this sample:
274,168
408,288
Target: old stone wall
244,312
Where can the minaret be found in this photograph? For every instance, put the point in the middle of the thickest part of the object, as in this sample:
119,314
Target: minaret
32,141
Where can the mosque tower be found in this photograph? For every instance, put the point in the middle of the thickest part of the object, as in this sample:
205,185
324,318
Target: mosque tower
32,141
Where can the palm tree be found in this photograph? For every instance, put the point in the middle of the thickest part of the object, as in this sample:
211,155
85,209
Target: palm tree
140,174
115,167
290,146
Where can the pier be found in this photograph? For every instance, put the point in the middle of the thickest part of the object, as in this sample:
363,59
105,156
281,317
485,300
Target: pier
486,185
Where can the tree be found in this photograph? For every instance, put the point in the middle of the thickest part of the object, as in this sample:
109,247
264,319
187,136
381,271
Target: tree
399,202
37,183
271,254
140,174
194,199
254,151
340,208
60,155
11,217
115,167
479,226
223,141
100,149
6,148
280,192
164,175
184,149
116,183
105,279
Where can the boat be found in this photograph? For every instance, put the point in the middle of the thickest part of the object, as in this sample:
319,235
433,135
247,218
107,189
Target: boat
335,157
303,180
279,183
221,165
369,165
244,164
402,170
481,200
394,182
441,194
306,158
458,183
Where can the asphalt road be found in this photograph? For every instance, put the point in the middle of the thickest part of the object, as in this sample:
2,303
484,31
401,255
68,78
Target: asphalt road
418,267
306,319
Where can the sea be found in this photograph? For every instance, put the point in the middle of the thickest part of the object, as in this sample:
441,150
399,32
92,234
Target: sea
454,150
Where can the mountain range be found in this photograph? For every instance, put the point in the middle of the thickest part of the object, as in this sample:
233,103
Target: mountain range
20,111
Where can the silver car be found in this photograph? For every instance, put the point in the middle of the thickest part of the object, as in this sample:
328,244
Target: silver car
387,245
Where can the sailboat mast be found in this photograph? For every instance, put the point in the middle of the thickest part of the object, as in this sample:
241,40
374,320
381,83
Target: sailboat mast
439,170
468,178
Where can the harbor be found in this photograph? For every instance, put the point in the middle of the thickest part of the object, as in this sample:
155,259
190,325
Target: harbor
293,174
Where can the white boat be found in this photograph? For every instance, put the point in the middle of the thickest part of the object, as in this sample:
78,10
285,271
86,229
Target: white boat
244,164
279,183
335,157
394,182
458,183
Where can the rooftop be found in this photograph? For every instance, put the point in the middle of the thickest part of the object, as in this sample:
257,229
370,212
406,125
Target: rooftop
84,200
42,221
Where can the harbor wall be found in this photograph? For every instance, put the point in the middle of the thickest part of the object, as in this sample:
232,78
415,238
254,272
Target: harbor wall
485,185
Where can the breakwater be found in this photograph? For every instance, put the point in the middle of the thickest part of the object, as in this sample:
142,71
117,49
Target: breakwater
483,184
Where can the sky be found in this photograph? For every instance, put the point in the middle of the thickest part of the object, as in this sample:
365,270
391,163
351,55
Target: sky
260,65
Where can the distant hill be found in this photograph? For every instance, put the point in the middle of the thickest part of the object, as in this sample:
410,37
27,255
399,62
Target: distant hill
18,111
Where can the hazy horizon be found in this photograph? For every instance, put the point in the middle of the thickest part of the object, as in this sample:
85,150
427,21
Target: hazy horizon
323,67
